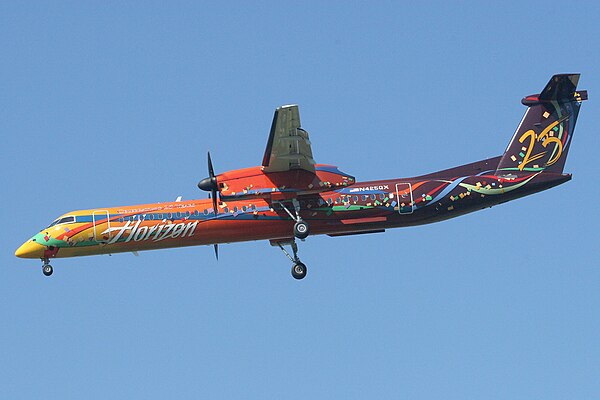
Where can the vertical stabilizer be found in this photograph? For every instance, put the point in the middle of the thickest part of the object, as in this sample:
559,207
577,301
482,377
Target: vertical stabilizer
542,139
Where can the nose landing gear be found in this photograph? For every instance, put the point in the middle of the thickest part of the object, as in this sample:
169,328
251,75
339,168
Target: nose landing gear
46,267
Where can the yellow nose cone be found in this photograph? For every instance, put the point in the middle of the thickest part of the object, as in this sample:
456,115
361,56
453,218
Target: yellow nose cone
30,249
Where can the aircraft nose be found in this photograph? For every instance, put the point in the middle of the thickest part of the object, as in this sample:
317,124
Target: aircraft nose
30,249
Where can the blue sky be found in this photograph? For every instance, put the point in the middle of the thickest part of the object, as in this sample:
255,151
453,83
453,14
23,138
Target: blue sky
108,104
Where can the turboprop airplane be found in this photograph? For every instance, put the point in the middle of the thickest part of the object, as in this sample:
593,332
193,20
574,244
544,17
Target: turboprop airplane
289,196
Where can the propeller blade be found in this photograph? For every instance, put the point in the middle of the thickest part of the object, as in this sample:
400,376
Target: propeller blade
210,184
216,247
211,171
214,199
211,174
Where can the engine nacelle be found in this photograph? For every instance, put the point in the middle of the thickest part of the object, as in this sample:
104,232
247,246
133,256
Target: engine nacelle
253,182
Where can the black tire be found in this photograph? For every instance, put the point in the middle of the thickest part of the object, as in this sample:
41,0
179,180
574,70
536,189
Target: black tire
47,270
298,270
301,230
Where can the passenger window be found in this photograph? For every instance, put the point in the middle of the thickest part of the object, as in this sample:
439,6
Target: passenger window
373,197
355,198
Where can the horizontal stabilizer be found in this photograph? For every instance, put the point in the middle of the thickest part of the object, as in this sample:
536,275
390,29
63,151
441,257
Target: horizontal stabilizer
560,87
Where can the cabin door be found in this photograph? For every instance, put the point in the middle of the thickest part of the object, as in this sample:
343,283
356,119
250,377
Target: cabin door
404,196
101,222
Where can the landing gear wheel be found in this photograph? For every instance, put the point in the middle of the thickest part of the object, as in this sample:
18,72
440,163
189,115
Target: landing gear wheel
301,230
299,270
47,270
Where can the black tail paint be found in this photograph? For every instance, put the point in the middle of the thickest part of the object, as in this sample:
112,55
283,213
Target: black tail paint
542,139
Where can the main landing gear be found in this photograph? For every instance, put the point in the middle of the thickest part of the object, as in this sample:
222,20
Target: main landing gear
46,267
301,229
298,269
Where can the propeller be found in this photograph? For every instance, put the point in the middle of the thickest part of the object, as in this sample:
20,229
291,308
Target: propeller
210,185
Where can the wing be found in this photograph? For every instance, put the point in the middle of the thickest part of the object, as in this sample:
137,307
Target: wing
288,147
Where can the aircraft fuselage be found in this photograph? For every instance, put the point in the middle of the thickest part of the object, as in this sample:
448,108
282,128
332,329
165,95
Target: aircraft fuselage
364,207
290,196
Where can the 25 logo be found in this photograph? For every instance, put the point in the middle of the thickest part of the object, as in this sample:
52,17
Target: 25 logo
546,139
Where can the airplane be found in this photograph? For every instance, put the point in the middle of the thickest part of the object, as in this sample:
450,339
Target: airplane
289,196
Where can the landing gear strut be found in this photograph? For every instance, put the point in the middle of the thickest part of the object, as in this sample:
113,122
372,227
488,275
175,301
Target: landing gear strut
46,267
301,229
298,269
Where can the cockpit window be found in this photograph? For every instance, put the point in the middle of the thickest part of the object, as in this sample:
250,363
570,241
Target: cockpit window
63,220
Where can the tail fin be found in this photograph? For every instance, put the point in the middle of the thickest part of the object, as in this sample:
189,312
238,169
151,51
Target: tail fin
543,137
